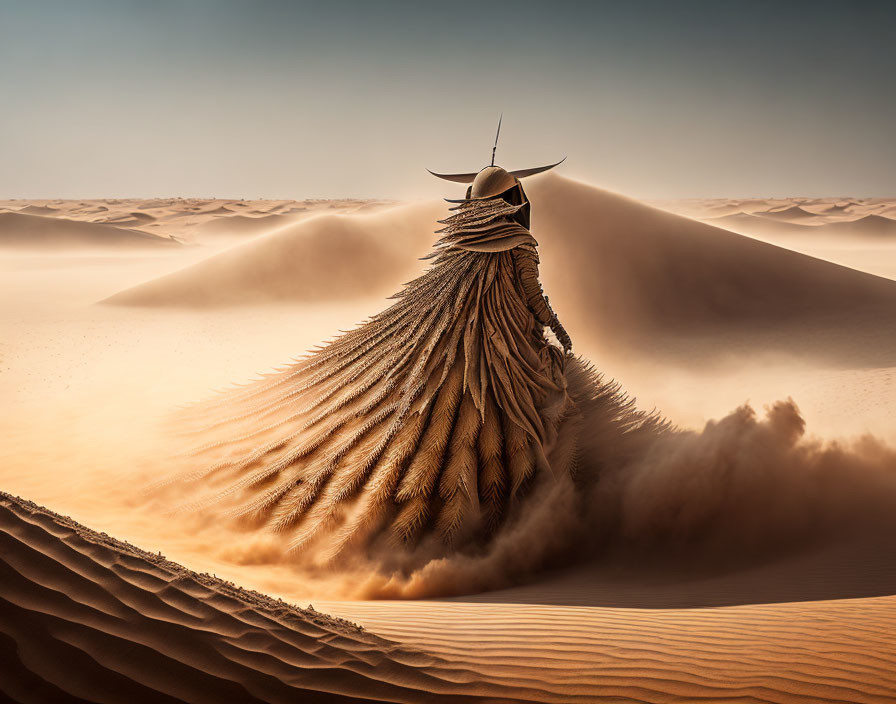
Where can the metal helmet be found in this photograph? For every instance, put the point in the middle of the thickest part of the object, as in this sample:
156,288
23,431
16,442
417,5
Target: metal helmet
492,181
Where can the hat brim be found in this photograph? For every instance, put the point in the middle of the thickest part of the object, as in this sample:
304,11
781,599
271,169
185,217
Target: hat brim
519,173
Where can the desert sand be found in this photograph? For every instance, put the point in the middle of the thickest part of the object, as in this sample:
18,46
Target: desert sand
81,608
89,618
691,317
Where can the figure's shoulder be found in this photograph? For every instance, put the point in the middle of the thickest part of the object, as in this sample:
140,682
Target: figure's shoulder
527,248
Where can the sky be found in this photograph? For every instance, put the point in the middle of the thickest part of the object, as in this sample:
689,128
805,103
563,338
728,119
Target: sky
277,99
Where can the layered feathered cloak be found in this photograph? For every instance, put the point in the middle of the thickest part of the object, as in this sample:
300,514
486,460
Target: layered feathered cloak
434,417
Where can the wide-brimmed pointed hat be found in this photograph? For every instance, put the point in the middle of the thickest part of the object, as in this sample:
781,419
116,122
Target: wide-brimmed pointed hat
492,180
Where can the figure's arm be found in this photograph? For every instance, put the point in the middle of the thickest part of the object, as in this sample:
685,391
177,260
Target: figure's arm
526,261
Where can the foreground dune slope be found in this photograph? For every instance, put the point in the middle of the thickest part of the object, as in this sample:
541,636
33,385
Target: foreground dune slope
84,617
800,653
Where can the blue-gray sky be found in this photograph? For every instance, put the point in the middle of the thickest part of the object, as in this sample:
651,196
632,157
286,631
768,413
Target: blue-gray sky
331,99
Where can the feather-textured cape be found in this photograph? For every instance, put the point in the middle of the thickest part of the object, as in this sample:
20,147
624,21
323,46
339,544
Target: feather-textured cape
436,416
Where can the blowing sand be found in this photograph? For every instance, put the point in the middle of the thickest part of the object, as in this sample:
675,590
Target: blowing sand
82,386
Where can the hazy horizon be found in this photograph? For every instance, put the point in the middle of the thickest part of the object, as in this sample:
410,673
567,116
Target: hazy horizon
296,100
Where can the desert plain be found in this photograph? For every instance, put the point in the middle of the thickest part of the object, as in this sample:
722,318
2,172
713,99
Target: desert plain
754,564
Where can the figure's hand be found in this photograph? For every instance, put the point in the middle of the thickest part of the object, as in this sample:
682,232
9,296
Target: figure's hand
562,336
566,342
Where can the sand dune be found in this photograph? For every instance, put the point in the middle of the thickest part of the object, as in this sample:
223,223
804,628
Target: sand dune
134,219
221,210
874,226
38,210
328,257
240,225
805,211
631,269
866,227
84,617
40,232
202,220
791,214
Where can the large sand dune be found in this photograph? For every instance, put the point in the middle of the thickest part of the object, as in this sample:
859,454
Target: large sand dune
630,273
660,279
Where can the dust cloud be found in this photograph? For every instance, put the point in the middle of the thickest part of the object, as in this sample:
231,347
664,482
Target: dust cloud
745,489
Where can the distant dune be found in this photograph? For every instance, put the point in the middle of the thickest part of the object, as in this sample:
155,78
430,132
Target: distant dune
199,220
221,210
41,232
804,211
240,225
791,214
134,219
873,227
38,210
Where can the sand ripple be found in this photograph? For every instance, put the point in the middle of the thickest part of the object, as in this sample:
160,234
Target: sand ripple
84,617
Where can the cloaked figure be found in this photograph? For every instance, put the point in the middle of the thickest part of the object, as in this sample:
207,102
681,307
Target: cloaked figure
437,418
